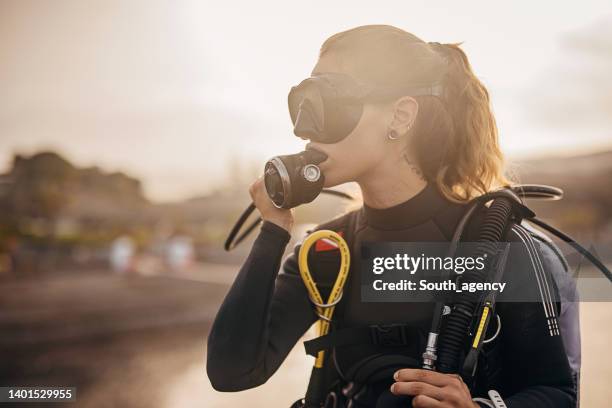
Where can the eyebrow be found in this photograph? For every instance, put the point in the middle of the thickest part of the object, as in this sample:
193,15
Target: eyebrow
315,72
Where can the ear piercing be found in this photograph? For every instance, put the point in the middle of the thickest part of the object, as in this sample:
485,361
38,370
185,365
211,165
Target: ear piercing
392,135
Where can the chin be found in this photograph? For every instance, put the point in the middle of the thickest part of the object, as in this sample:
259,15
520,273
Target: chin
329,180
332,180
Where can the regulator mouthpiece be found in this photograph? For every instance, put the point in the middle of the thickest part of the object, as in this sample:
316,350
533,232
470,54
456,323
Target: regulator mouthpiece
294,179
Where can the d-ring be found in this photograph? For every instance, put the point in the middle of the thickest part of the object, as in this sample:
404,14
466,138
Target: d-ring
326,305
496,331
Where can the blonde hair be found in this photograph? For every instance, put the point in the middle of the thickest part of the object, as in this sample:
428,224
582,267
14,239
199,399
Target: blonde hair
456,144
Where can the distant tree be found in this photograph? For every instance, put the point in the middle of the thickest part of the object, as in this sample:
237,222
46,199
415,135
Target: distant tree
40,185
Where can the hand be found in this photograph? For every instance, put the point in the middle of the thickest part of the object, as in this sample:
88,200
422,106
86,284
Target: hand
432,389
279,216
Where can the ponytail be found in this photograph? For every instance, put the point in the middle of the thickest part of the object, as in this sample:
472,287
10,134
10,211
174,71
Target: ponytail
457,144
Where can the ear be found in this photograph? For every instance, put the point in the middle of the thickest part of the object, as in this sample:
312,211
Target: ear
405,111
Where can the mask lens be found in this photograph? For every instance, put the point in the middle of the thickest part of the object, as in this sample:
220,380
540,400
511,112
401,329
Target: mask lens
325,108
306,110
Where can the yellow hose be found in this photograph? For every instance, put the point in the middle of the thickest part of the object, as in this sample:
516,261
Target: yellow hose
345,260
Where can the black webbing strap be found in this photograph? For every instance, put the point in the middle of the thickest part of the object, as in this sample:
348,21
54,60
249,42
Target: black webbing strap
380,335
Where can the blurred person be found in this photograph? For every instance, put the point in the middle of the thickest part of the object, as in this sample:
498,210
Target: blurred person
179,253
418,158
121,255
13,247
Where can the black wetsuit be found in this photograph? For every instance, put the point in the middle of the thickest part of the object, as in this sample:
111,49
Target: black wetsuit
266,311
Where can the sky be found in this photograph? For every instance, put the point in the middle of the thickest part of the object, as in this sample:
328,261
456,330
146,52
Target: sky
182,93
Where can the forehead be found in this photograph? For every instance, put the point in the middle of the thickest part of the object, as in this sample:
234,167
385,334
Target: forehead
329,62
342,62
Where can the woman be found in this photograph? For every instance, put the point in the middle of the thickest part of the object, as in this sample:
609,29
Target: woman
418,155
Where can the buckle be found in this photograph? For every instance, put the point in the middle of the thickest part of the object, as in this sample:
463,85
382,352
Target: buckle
388,335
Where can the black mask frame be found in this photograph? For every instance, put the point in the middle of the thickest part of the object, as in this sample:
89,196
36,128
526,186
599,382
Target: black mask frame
326,107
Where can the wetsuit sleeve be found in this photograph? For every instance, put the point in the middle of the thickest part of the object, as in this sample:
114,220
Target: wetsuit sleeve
536,368
261,318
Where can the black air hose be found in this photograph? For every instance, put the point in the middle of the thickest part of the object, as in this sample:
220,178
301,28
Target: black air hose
453,337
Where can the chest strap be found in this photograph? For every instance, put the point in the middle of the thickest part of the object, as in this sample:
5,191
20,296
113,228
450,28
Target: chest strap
391,335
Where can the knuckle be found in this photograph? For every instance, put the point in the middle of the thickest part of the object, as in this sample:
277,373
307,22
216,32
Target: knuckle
418,401
422,375
417,388
454,399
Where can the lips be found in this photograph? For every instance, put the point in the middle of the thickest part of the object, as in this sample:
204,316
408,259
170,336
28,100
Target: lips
314,155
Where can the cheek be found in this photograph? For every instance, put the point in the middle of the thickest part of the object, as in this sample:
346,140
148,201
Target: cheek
353,156
360,151
367,140
354,152
346,162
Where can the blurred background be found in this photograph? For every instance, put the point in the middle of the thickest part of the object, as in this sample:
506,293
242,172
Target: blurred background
130,131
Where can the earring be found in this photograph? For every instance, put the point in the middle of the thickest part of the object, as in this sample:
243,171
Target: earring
392,135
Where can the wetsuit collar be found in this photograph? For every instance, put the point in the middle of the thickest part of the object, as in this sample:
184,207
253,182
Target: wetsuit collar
418,209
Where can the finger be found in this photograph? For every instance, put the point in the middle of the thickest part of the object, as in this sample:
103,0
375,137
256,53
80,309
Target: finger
417,388
457,376
254,184
426,376
456,381
256,187
423,401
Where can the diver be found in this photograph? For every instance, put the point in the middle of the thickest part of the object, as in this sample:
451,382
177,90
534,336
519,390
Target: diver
412,125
